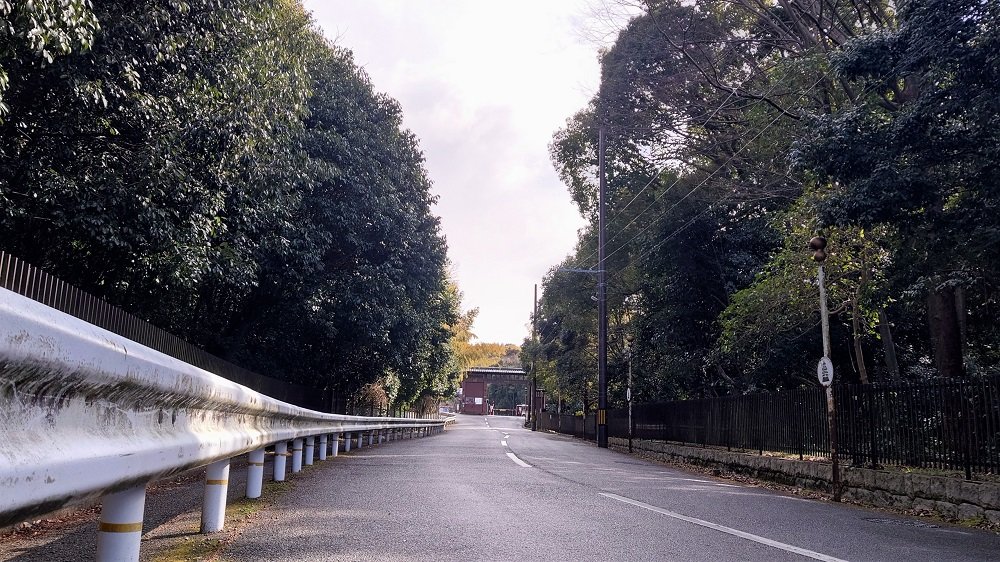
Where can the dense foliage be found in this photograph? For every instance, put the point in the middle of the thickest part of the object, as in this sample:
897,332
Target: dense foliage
222,170
737,130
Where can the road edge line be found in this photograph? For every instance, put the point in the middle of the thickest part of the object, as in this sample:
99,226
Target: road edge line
722,528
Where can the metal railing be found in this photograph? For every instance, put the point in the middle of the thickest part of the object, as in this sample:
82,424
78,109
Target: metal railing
950,425
24,279
944,424
584,427
87,413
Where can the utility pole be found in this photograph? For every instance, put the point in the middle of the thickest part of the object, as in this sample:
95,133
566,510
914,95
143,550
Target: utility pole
534,367
602,304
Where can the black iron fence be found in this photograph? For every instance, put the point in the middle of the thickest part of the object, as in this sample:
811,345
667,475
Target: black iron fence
948,425
584,427
31,282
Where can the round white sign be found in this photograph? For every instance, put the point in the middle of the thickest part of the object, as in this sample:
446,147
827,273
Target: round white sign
824,371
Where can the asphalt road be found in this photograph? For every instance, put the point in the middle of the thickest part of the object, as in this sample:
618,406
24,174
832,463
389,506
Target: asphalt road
489,490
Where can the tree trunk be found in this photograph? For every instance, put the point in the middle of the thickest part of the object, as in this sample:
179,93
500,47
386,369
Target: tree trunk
960,313
859,354
946,332
890,348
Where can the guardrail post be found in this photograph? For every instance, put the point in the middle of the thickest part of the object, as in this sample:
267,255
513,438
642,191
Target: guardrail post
336,443
213,507
371,438
361,437
296,455
280,460
120,529
322,447
310,450
347,441
255,473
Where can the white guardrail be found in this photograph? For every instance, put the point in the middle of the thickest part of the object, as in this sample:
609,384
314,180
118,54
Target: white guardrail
85,413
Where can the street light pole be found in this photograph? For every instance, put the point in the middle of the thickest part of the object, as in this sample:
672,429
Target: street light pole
602,304
825,369
628,396
534,366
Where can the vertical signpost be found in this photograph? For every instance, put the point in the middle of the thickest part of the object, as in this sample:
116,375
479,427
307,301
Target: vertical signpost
824,371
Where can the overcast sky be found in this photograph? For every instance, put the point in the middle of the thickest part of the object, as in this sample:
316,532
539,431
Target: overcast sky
484,85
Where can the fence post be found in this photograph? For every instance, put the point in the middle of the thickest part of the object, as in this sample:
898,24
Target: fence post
800,408
255,473
296,455
872,427
966,432
213,507
119,532
280,460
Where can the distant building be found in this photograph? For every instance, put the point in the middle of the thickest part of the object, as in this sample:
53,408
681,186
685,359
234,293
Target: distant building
475,387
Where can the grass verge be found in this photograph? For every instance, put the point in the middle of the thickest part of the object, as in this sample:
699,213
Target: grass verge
238,514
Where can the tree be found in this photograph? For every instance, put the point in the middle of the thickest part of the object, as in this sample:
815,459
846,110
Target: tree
155,162
359,288
225,172
919,154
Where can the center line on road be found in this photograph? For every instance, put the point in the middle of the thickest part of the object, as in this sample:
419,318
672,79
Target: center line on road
727,530
504,443
519,462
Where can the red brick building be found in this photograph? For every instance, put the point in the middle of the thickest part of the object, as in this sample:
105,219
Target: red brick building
474,394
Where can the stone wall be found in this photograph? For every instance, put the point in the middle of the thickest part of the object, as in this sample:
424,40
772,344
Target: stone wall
951,498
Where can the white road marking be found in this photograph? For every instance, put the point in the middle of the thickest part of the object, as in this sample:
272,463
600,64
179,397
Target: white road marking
502,442
727,530
519,462
672,478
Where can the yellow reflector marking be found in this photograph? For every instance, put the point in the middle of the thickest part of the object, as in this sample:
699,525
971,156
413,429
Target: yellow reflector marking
120,527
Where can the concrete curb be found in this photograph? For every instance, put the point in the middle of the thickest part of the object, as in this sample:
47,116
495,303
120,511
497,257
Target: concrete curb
950,498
